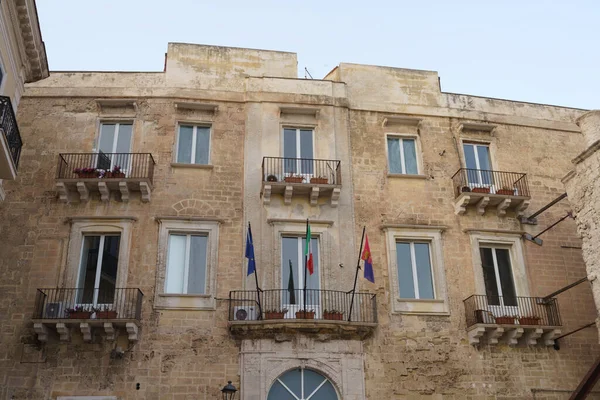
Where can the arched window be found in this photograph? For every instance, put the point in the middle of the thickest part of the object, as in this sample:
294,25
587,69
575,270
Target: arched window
302,384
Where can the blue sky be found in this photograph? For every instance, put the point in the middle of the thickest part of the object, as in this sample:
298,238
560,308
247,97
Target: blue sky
528,50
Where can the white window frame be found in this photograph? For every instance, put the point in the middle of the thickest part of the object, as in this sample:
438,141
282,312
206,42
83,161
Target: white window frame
186,267
418,234
298,128
402,137
195,127
478,167
117,122
414,265
192,226
98,262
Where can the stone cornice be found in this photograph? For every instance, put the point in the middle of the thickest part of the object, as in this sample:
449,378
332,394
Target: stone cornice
23,15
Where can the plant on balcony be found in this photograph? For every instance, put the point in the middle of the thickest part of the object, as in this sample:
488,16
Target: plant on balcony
117,173
294,179
480,190
271,178
505,320
529,320
319,180
305,314
508,191
465,189
334,315
78,312
87,173
275,313
105,312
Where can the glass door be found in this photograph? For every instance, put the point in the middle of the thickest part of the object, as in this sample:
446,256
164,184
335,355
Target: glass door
292,252
478,164
298,151
115,143
499,283
98,271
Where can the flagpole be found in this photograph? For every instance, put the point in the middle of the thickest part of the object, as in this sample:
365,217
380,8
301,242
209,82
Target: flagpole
356,275
255,274
305,267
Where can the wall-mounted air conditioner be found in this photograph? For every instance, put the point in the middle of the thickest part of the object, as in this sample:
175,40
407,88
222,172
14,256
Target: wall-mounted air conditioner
244,313
54,310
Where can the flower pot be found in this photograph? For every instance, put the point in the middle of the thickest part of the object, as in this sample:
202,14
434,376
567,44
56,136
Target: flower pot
529,321
507,192
480,190
117,175
274,315
106,314
505,320
271,178
80,315
319,181
334,316
305,315
87,175
293,179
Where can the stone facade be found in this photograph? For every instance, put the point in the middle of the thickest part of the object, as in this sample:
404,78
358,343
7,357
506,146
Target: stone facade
182,347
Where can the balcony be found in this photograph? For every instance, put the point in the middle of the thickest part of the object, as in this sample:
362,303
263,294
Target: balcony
10,140
327,312
65,310
525,321
486,189
79,174
301,177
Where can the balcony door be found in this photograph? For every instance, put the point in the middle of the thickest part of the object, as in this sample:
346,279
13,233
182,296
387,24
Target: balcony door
98,270
115,143
499,282
478,164
292,251
298,151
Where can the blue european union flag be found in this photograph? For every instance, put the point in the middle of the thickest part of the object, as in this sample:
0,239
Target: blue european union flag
250,252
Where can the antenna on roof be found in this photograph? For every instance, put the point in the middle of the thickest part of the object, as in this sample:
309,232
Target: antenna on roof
307,74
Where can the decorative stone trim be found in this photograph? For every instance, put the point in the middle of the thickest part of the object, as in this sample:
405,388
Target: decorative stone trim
512,335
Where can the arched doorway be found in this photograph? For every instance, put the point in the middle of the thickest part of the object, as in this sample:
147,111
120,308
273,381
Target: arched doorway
302,384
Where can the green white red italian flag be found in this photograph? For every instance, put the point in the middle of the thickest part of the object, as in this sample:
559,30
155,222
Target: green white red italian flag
308,251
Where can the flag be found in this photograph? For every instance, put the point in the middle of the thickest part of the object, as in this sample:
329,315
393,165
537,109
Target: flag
291,288
366,256
250,252
308,251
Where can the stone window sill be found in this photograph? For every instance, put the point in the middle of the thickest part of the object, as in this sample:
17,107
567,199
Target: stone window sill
407,176
421,307
196,166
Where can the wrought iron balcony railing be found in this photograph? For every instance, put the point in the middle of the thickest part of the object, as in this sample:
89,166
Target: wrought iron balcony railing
115,304
283,304
505,310
492,182
301,170
137,166
8,125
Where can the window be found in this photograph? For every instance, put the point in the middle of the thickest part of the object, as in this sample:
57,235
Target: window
98,269
292,253
193,144
415,277
402,155
115,142
186,264
302,384
298,144
497,276
478,164
416,269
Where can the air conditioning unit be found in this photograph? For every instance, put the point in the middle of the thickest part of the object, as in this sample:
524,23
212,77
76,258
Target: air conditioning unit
54,310
244,313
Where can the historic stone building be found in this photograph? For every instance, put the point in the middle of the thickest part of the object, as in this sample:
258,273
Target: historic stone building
22,59
123,262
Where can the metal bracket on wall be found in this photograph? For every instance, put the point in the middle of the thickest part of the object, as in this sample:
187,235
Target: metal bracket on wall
536,239
531,220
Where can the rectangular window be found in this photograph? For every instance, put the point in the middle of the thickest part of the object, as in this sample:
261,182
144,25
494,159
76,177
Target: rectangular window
98,269
477,161
402,156
298,146
193,144
292,253
415,277
186,264
498,276
115,143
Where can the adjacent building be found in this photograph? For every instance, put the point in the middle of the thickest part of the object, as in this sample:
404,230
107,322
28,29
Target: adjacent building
125,272
22,59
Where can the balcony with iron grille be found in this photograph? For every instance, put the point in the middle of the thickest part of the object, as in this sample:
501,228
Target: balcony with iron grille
486,189
10,140
302,177
524,321
273,312
80,174
60,312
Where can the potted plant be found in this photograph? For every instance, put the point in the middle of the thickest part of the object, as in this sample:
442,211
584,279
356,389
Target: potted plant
305,314
529,320
105,312
506,191
319,180
294,179
117,173
505,320
271,178
86,173
78,312
465,189
334,315
275,313
480,190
